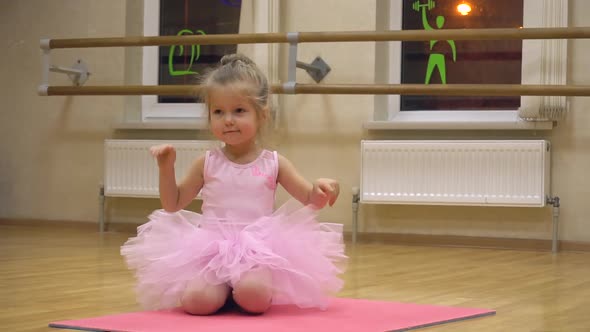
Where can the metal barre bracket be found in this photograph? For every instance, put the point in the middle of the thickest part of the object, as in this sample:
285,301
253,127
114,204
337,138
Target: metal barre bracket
318,69
78,73
293,38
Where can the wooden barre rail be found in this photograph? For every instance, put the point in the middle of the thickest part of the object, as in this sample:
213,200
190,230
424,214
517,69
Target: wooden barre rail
316,37
352,89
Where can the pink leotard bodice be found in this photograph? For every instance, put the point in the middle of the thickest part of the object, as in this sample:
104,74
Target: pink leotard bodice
239,192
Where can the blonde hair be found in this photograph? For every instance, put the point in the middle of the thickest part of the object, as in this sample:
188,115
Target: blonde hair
239,72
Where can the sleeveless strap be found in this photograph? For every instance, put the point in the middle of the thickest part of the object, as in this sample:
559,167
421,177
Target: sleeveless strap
275,157
206,164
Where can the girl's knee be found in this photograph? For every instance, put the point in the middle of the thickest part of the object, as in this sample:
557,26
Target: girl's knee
203,299
253,294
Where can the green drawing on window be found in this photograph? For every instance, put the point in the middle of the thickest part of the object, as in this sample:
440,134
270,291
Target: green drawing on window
195,54
435,60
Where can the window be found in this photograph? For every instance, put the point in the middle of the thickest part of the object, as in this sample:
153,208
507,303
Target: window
467,62
182,64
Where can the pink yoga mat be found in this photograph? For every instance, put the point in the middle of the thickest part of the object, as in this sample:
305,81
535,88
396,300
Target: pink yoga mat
343,315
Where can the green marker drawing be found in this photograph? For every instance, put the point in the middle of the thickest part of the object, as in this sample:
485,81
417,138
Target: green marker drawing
194,56
436,60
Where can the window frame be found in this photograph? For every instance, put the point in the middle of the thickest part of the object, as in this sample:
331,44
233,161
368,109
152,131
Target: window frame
389,116
264,18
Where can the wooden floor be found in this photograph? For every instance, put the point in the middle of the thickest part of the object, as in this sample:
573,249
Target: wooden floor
64,272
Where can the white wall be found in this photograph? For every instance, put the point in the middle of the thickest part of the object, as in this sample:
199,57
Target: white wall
51,152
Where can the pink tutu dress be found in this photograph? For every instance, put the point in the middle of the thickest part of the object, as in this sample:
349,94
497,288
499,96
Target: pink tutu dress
238,231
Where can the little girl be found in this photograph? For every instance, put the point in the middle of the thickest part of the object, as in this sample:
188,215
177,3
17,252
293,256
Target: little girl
238,249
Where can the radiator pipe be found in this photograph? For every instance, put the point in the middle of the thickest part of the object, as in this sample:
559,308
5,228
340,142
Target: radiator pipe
101,199
355,212
554,242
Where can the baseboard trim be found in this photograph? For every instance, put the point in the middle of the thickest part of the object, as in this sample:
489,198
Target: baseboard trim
389,238
574,246
48,223
70,224
467,241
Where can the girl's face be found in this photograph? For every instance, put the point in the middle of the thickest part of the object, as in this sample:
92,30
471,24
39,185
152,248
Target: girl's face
233,118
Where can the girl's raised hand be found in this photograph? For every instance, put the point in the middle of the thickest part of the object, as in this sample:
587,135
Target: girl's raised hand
165,154
325,191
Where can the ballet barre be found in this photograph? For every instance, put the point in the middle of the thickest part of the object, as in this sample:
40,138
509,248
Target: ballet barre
294,38
340,89
322,37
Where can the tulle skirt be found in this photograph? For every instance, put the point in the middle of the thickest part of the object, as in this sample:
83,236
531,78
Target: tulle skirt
305,257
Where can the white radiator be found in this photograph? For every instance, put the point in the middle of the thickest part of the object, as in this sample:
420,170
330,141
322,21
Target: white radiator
490,173
131,171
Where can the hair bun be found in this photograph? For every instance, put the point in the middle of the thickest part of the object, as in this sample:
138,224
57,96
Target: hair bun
232,59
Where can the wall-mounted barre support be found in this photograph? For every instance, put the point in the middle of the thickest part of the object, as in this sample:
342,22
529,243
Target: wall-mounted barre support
289,86
45,65
318,69
78,72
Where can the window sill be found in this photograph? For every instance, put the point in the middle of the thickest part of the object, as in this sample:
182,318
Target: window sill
458,120
164,125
